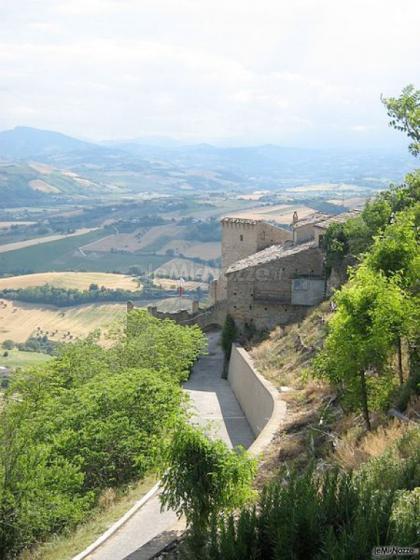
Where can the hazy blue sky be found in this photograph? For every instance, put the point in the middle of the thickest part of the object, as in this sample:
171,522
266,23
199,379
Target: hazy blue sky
295,72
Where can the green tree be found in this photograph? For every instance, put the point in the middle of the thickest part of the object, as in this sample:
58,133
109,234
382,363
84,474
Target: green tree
229,334
205,477
370,314
89,419
404,112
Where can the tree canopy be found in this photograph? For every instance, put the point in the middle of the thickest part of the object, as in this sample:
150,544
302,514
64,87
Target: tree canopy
404,112
90,419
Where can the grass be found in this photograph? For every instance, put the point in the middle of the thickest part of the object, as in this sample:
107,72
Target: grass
17,358
111,507
70,280
317,427
286,353
40,240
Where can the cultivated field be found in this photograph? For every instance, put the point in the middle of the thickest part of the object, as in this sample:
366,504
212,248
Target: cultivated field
18,321
76,280
170,284
66,254
351,203
40,240
8,225
207,250
139,240
18,358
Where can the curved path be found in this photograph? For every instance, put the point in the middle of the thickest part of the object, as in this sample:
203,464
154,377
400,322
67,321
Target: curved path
215,404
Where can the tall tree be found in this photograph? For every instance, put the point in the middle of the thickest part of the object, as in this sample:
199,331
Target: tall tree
404,112
371,309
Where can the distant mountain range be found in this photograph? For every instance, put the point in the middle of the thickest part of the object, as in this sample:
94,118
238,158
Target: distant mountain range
166,166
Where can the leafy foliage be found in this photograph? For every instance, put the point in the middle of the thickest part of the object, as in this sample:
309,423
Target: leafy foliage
205,476
357,235
404,112
229,334
90,419
63,297
370,314
323,515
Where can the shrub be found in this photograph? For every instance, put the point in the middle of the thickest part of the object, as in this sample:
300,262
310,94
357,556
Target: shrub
324,515
229,334
205,476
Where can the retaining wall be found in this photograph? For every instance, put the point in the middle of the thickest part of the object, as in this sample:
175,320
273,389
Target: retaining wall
259,399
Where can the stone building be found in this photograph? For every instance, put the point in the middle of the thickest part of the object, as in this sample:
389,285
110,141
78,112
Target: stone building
271,275
242,237
276,285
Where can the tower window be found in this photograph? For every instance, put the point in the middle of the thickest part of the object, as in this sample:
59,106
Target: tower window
241,237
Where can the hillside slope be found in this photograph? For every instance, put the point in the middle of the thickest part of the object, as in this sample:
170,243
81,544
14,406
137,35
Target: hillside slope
318,426
23,184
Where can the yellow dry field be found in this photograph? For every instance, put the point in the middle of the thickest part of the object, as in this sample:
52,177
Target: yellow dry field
170,284
18,321
182,268
70,280
39,240
204,250
351,203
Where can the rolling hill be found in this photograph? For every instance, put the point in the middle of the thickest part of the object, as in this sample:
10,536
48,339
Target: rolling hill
134,166
30,183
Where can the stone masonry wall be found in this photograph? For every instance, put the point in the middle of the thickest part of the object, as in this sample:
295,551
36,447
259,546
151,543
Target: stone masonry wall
240,240
262,294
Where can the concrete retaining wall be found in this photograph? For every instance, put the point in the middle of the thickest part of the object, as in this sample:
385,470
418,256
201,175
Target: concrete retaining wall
258,398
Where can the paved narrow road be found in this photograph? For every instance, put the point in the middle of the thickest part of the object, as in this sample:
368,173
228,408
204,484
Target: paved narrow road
215,405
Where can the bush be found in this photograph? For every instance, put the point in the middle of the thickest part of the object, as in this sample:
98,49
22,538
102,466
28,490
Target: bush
90,419
324,515
229,334
205,476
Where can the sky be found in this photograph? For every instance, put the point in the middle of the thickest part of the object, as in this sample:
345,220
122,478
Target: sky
232,72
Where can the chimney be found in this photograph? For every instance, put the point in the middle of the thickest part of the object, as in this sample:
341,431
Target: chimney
295,217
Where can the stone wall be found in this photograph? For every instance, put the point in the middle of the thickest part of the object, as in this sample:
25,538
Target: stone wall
262,295
242,238
259,400
308,291
303,233
205,318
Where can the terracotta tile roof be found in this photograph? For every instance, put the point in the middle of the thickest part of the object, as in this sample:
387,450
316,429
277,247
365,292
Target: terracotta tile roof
273,253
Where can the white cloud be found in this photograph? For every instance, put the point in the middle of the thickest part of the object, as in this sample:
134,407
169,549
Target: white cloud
300,72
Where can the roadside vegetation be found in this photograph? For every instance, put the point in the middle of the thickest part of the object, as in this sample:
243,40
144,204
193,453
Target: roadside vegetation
89,420
343,474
